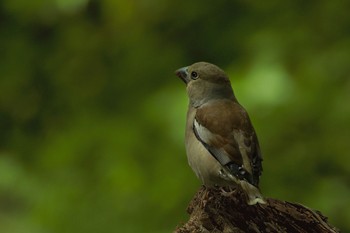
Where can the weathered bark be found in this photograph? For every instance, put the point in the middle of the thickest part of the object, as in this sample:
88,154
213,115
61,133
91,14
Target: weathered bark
211,211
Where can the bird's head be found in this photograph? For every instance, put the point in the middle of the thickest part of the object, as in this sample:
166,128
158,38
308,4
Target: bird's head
205,82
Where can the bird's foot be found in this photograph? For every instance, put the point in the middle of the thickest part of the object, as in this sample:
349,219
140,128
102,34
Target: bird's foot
207,196
227,193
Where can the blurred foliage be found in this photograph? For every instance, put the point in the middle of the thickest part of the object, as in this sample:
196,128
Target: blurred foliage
92,116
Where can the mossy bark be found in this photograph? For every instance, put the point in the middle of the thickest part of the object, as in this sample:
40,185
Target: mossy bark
211,211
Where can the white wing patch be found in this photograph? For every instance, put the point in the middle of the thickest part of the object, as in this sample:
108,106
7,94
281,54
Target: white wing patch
206,137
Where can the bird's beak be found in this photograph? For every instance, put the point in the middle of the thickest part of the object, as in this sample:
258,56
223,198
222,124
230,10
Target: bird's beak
183,74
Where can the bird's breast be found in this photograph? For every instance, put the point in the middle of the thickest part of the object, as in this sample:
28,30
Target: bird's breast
205,166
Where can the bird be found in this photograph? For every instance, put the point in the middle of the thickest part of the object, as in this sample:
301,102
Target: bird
221,144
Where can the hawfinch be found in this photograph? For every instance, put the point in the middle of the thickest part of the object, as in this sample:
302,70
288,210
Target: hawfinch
221,145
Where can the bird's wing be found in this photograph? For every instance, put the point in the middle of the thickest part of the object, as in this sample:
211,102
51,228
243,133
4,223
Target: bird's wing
224,128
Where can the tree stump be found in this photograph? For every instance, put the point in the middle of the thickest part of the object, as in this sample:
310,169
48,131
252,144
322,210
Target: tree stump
211,211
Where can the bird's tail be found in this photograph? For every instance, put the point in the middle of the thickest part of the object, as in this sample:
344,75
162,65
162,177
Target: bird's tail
253,194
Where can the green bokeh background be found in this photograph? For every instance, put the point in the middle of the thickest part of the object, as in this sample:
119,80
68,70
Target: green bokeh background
92,116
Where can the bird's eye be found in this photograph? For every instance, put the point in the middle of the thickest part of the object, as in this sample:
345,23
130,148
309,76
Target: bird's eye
194,75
